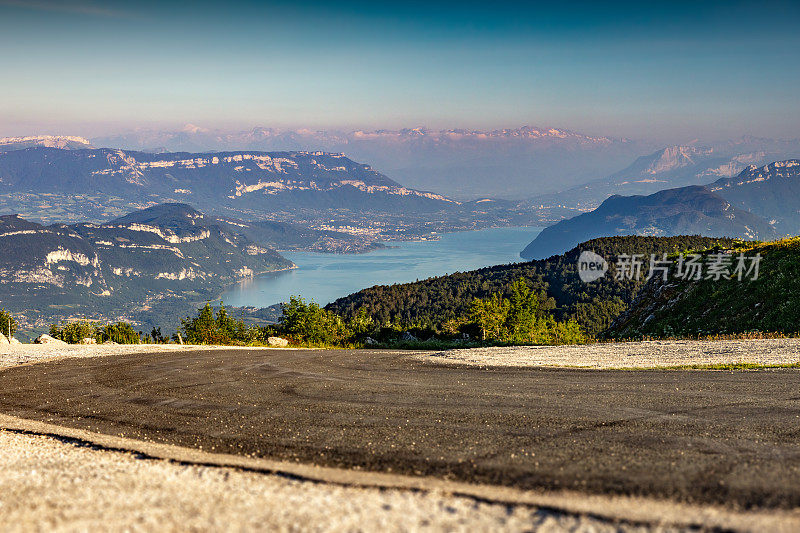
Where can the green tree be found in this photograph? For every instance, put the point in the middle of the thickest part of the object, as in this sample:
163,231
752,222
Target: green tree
489,315
522,318
120,332
201,329
8,326
361,323
523,312
74,332
310,324
206,328
157,336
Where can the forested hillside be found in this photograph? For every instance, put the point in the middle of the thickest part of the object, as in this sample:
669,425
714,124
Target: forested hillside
764,301
434,301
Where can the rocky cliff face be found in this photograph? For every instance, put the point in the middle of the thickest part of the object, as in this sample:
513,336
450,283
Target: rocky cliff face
124,265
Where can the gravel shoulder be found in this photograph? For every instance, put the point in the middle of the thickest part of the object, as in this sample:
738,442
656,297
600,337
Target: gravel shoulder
22,354
12,355
48,484
647,354
79,481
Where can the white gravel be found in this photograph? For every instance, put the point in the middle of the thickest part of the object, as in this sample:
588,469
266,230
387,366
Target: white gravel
648,354
50,485
21,354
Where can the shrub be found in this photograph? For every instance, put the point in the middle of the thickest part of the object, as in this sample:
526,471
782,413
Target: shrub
157,336
523,318
74,332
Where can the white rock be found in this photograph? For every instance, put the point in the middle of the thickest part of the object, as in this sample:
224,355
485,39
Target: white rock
14,341
408,337
3,339
47,339
277,341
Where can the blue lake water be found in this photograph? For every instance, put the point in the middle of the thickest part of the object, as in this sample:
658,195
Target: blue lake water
326,277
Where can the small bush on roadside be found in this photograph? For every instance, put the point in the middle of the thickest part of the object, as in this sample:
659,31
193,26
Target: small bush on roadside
74,332
157,337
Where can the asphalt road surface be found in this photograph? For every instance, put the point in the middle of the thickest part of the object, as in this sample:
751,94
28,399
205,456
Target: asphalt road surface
699,436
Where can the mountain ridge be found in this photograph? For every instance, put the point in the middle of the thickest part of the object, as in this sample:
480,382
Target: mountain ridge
145,266
239,182
69,142
685,210
313,189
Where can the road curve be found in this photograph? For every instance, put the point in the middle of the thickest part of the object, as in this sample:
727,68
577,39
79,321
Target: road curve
730,438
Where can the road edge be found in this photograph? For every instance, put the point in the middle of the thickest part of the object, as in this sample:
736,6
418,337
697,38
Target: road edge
613,508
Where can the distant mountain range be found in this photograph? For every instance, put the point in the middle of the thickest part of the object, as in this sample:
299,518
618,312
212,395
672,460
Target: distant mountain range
760,203
675,166
771,192
238,178
317,191
462,163
48,141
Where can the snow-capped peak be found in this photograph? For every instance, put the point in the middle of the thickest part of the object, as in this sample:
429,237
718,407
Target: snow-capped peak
49,141
191,128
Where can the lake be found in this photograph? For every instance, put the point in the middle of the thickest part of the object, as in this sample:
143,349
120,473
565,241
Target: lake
326,277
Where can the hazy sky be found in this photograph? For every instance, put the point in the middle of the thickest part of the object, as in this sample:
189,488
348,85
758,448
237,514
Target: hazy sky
670,70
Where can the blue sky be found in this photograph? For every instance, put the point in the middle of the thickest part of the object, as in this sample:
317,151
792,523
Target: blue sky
670,70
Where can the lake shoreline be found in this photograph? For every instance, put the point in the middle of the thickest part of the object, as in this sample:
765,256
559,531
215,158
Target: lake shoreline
325,277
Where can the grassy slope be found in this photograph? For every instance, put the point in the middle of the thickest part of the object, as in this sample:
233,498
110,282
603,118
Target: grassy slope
687,308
